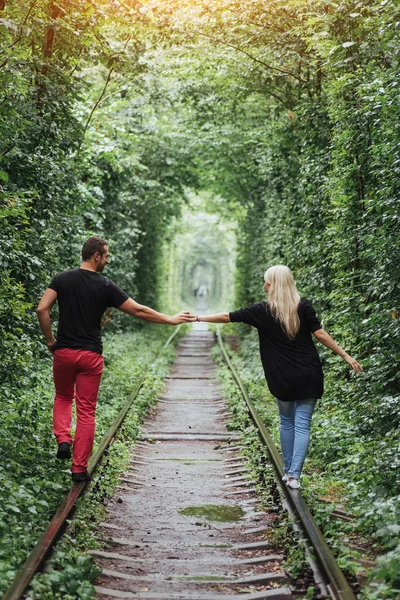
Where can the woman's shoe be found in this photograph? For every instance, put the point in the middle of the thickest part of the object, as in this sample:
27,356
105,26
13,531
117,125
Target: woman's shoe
293,483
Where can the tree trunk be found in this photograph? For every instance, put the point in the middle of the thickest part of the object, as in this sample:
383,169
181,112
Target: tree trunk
48,44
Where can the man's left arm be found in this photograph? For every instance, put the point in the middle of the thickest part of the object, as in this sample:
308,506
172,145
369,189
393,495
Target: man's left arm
43,312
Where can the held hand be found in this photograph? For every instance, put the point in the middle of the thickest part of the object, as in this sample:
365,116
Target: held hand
353,363
183,317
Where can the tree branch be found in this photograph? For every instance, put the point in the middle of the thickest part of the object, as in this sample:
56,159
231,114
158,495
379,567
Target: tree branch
77,62
18,39
260,62
8,149
267,26
96,104
5,99
120,90
273,94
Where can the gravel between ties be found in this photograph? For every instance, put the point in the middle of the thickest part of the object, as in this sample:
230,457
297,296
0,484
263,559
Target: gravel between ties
183,524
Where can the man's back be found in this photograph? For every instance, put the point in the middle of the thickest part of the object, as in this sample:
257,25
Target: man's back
83,296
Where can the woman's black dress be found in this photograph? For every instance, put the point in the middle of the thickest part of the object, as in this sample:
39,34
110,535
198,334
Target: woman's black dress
292,367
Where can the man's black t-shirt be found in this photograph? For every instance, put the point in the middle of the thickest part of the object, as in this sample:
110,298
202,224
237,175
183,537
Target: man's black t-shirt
292,367
83,297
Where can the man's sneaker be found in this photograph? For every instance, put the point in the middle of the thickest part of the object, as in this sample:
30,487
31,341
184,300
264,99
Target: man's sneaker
293,483
79,477
285,477
64,450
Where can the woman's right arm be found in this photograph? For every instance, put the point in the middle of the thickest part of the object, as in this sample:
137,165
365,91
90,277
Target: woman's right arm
330,343
217,318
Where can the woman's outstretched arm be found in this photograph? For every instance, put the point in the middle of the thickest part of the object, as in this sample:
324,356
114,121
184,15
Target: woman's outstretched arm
330,343
217,318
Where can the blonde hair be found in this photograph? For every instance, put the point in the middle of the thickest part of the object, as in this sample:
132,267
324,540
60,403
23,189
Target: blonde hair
283,298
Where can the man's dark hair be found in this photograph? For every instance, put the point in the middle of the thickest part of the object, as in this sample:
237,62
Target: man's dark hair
91,246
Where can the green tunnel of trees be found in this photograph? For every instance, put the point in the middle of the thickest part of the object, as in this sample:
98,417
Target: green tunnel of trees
207,140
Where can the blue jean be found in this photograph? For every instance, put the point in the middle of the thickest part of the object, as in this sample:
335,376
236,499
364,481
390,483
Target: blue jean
295,421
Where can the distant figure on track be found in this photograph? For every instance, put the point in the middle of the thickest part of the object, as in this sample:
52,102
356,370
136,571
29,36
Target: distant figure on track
290,360
83,295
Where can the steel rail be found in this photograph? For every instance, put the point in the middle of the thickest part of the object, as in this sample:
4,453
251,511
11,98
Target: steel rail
338,586
35,559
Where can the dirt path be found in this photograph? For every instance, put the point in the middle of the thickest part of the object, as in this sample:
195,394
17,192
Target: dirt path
184,523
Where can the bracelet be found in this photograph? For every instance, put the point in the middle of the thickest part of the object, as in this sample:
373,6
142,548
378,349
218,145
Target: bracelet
197,318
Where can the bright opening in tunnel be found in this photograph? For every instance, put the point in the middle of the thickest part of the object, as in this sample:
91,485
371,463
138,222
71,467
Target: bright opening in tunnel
201,256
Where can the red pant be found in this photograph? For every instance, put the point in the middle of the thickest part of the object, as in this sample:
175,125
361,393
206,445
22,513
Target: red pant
76,371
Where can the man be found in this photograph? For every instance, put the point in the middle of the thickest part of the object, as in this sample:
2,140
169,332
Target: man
83,295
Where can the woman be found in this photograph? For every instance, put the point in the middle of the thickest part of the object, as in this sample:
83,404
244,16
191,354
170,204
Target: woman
290,360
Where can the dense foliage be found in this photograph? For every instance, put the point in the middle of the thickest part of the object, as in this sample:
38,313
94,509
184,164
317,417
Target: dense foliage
66,175
285,114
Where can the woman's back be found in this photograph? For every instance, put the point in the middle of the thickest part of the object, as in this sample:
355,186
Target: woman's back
292,367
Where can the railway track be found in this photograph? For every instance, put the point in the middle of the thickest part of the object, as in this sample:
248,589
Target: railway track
185,521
